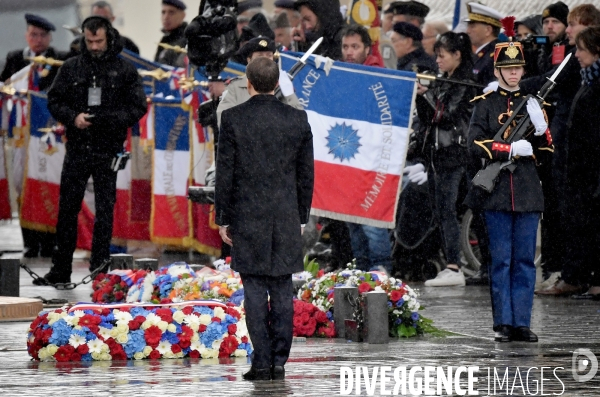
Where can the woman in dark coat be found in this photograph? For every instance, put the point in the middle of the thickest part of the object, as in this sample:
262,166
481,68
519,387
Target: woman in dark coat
446,123
512,210
583,176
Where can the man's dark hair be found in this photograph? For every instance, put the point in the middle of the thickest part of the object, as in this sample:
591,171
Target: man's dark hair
589,38
495,31
94,23
102,4
263,74
351,30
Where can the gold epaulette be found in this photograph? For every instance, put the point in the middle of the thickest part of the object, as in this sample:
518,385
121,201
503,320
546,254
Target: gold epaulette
482,96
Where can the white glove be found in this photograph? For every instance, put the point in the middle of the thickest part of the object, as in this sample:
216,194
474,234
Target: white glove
416,173
537,116
287,88
211,175
411,170
419,178
521,148
493,86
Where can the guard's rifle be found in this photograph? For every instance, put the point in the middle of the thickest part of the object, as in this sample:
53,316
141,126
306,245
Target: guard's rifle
487,177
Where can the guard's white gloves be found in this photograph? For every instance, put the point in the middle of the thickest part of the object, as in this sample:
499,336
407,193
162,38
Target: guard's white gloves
537,116
493,86
416,173
521,148
210,175
287,88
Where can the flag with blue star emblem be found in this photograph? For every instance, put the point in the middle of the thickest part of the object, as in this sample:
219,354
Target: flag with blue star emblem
360,118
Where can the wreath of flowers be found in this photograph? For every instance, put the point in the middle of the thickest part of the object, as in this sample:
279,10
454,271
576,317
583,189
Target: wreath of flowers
83,332
311,321
112,287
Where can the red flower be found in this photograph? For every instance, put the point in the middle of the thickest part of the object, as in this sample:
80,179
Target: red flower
88,320
364,287
94,329
154,355
304,317
186,333
233,313
328,330
83,349
232,329
320,316
320,273
228,259
164,301
395,296
165,315
215,320
185,344
112,344
152,335
194,354
63,354
119,296
133,325
244,339
228,346
187,310
46,334
202,328
175,348
75,357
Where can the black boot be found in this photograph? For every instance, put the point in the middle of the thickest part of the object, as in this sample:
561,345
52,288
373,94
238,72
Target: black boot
257,374
504,334
524,334
278,372
479,278
53,277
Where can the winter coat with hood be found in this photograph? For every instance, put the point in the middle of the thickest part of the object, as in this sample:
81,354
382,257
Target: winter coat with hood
330,25
123,102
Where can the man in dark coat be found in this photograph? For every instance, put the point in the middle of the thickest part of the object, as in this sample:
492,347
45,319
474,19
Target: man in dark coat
263,196
483,29
38,36
406,40
320,18
173,14
97,96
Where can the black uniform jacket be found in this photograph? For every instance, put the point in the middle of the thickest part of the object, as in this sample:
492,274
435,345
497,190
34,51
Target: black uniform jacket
520,191
123,102
175,37
15,61
417,61
583,157
264,184
483,64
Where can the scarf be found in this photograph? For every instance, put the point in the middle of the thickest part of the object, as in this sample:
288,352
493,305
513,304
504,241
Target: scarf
591,73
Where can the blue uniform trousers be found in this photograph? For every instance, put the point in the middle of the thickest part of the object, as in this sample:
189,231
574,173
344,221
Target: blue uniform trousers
512,237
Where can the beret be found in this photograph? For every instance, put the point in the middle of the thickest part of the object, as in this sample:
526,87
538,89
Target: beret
408,30
40,22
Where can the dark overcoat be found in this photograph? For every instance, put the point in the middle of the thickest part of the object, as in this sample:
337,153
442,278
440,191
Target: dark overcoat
521,190
264,184
483,64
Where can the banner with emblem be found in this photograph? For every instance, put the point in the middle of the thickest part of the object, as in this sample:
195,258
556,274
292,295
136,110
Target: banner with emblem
360,118
171,210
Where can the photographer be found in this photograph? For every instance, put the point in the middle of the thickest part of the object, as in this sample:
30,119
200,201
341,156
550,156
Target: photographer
529,31
97,96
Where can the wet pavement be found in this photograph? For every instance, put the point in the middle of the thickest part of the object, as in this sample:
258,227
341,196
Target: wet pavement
563,325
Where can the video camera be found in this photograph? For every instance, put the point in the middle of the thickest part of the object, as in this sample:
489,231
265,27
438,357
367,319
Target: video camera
212,36
534,41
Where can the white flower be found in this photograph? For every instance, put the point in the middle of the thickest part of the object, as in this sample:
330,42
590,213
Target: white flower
209,353
192,321
105,332
122,317
240,353
178,316
205,319
122,338
138,356
164,347
72,320
219,312
147,350
171,328
133,296
78,313
216,345
95,346
76,340
153,319
196,345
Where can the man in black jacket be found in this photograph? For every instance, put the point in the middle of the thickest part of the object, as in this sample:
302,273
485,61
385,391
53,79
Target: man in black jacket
97,96
263,196
172,16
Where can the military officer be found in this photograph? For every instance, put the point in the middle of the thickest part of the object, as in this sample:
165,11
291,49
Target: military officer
483,29
512,210
172,15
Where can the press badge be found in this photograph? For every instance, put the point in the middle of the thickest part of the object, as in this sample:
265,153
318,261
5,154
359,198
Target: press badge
94,96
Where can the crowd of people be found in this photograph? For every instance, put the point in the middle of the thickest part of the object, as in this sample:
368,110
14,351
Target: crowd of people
553,176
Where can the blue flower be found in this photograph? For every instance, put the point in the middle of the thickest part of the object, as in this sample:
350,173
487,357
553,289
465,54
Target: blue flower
204,310
398,321
415,316
165,289
135,344
170,337
139,311
61,332
400,302
389,304
212,333
237,297
362,278
374,277
90,335
106,325
86,357
329,314
108,318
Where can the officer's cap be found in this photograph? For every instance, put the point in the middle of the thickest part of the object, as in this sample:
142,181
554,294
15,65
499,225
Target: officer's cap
175,3
408,30
289,4
245,5
413,8
484,14
39,22
257,44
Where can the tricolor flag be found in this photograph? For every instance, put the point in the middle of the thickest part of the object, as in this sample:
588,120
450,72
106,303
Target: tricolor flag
171,221
360,118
